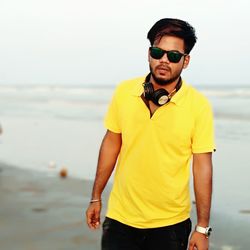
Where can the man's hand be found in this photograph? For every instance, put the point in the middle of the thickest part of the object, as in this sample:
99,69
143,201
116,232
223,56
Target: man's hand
198,241
93,215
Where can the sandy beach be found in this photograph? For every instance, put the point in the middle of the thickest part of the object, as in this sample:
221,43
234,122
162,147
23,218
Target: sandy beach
42,212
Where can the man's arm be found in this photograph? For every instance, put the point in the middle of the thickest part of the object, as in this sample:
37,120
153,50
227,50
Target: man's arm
202,176
109,151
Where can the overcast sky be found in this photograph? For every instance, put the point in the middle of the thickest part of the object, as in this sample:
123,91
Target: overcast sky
104,42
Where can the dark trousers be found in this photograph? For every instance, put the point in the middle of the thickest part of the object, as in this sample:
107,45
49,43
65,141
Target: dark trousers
118,236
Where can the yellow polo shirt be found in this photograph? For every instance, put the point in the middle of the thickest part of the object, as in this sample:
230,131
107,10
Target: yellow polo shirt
151,182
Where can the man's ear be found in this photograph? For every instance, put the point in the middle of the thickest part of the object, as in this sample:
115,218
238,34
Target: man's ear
186,61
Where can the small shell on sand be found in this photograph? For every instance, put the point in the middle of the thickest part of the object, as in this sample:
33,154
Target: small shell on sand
52,165
63,172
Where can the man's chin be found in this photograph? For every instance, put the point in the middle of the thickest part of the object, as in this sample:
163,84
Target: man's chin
163,81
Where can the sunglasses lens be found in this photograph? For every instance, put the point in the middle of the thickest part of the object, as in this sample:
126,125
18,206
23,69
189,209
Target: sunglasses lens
174,56
156,53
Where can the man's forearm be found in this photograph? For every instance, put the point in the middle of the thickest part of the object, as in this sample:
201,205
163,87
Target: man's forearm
202,171
108,154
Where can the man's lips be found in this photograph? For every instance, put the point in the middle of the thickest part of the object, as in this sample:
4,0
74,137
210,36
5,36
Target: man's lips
163,69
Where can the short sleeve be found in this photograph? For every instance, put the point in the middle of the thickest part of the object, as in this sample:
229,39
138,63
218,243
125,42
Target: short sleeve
203,134
111,120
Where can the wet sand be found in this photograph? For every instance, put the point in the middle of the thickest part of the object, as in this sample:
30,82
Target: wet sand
40,212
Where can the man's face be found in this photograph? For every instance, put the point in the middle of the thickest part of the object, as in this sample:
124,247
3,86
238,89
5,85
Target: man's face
163,71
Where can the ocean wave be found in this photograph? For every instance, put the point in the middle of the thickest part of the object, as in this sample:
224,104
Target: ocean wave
227,92
53,88
232,116
96,91
229,102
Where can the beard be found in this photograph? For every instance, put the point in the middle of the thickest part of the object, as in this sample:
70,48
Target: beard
164,82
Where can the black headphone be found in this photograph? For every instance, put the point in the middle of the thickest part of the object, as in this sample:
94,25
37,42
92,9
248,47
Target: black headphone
160,96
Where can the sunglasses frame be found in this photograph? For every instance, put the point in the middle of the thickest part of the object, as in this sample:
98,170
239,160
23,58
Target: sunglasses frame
167,52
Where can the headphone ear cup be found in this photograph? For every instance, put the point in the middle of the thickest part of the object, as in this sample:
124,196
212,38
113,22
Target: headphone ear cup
148,90
160,97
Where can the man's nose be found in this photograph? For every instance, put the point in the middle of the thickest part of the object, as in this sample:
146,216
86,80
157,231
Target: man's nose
165,58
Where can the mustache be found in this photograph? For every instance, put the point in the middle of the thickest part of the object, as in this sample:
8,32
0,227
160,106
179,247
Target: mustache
164,67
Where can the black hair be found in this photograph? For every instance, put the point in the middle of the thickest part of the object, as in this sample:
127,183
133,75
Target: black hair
173,27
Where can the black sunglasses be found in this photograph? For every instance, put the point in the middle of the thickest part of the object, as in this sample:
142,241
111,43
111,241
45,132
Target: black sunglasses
173,56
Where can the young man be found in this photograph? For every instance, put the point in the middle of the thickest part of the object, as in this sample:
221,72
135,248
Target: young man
155,125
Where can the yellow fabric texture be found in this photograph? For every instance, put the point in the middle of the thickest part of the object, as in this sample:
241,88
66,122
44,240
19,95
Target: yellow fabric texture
151,182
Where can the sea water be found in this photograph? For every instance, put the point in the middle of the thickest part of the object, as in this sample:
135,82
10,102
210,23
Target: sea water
43,112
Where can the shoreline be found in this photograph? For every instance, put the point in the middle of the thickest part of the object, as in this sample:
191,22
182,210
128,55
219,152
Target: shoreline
42,212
